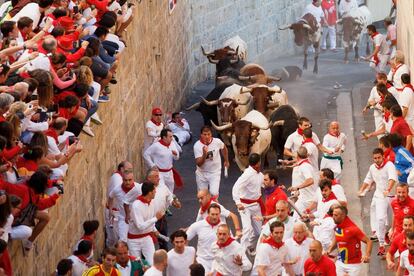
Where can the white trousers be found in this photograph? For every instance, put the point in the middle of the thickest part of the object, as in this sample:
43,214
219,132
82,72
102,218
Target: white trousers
144,246
251,227
302,204
382,65
331,31
168,179
21,232
334,165
209,181
379,218
206,263
348,269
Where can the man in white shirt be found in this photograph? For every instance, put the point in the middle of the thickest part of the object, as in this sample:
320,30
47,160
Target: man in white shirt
229,256
282,215
398,68
116,204
346,6
335,142
180,128
34,11
42,61
207,156
384,175
206,230
181,256
407,257
272,254
128,265
391,35
324,228
205,200
337,189
298,247
161,155
303,182
379,58
247,195
114,181
80,258
160,263
315,9
142,224
313,152
406,99
153,128
326,198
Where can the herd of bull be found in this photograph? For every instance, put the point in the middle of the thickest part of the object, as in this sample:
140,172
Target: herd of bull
251,114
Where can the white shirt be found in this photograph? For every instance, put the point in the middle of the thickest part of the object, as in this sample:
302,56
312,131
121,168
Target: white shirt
163,197
114,181
294,141
224,213
381,177
405,263
206,237
118,195
395,78
298,250
142,218
179,264
32,11
289,223
248,185
406,99
40,62
313,155
152,271
224,259
325,231
315,11
176,128
374,96
339,192
331,142
380,40
212,164
345,6
78,266
125,271
161,156
300,173
272,258
323,207
152,133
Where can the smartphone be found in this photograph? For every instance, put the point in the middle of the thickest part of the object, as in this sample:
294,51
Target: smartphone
34,97
43,117
53,109
75,9
76,44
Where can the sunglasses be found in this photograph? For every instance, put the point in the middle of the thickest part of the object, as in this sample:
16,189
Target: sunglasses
158,114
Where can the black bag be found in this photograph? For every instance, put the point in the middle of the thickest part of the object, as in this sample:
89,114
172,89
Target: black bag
27,215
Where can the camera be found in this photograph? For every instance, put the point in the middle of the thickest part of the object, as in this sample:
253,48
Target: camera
72,139
75,9
60,188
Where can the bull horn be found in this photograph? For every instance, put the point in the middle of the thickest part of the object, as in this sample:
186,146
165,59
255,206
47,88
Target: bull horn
221,128
194,106
262,128
276,89
210,103
245,90
222,77
284,27
204,51
339,21
306,26
244,78
278,123
245,102
273,78
214,61
273,105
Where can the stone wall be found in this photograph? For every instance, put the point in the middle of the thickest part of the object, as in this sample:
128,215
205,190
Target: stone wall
405,32
160,65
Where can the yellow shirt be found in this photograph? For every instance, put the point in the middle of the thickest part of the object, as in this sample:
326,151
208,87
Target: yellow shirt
97,270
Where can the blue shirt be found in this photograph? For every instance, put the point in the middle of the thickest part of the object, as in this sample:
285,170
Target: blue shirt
404,162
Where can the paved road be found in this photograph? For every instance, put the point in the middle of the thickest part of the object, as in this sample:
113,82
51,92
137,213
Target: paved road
313,96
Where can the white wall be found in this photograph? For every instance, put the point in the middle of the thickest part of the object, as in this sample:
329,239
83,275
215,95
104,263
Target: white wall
405,32
379,8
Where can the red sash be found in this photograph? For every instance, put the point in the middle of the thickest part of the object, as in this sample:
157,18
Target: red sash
140,236
272,243
258,200
330,197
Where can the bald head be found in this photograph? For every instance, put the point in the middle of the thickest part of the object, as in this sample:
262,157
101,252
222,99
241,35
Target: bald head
160,258
203,197
302,152
315,250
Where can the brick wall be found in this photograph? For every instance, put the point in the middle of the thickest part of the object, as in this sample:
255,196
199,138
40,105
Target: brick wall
161,63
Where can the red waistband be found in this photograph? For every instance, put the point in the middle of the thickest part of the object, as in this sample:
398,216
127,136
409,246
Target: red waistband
113,209
165,170
258,200
140,236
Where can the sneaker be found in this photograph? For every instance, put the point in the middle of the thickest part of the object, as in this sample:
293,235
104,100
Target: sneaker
373,238
26,246
107,90
103,99
334,50
88,131
381,251
113,80
362,193
95,118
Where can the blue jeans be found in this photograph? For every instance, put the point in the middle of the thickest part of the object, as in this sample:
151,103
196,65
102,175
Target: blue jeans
91,110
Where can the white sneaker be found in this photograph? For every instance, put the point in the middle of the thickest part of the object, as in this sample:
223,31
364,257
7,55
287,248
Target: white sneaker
88,131
95,118
26,246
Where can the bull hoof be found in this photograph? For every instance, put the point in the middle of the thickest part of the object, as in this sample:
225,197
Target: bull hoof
346,61
315,71
357,60
305,67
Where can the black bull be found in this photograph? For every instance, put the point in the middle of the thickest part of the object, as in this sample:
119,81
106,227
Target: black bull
280,133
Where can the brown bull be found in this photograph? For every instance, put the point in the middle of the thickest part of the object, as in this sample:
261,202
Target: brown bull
262,97
226,108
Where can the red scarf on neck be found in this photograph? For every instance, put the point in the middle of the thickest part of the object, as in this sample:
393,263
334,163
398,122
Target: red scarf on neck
387,116
144,200
374,35
82,258
300,131
52,133
126,190
155,122
389,155
298,241
409,86
273,243
226,243
203,209
307,140
334,134
302,161
329,198
212,224
380,166
335,182
208,143
164,144
411,259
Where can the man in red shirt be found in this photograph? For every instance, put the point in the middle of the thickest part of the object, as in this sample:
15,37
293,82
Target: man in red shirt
329,9
399,243
318,263
348,238
400,126
401,206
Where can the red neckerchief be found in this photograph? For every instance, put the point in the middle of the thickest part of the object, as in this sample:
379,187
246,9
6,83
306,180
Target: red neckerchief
327,216
299,242
212,224
307,140
334,134
394,70
374,35
164,144
86,238
226,243
411,259
302,161
155,123
82,258
52,133
300,131
203,209
388,85
144,200
387,154
409,86
387,116
126,190
334,182
273,243
380,166
208,143
330,197
382,98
